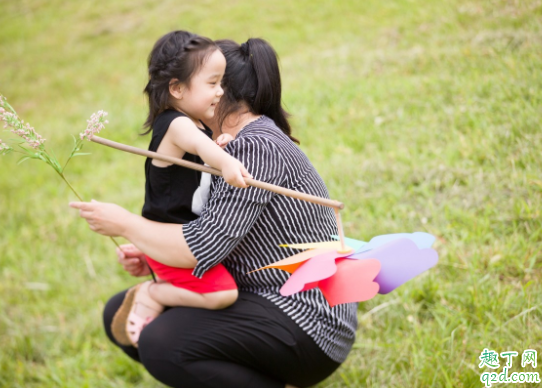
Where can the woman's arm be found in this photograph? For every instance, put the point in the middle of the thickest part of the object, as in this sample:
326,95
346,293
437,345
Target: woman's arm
163,242
231,213
226,219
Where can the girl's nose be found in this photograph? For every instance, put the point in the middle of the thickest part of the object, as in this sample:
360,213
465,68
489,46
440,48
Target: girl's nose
220,91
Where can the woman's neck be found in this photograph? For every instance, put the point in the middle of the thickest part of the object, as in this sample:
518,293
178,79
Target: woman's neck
237,121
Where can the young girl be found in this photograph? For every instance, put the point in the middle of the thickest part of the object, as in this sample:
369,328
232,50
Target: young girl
185,73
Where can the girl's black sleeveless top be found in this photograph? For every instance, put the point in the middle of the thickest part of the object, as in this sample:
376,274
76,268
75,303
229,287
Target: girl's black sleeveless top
169,190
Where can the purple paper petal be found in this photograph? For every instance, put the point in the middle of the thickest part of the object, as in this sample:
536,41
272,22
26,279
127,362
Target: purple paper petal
421,239
401,261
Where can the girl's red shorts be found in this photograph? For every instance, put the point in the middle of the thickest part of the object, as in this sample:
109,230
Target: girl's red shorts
216,279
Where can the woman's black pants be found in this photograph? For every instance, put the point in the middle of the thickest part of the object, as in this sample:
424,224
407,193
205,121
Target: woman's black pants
252,343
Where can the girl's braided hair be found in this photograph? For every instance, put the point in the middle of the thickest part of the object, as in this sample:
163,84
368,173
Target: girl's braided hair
176,55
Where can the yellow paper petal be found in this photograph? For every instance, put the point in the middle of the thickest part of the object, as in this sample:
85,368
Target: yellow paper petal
290,264
328,244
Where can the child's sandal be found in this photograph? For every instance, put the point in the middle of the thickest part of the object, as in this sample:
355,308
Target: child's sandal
135,325
126,326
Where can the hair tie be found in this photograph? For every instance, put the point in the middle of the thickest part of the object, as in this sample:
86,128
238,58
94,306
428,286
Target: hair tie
244,49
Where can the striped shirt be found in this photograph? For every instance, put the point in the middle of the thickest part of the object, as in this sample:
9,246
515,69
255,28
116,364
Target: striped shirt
243,228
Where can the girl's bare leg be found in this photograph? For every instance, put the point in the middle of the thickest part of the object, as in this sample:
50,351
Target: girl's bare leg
165,294
145,306
149,301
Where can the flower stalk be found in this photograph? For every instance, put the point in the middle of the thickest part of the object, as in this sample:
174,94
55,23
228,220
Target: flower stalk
32,145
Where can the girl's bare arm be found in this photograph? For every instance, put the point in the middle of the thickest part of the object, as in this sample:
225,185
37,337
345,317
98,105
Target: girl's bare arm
185,135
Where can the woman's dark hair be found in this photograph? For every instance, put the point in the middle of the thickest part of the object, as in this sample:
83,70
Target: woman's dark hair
252,76
178,54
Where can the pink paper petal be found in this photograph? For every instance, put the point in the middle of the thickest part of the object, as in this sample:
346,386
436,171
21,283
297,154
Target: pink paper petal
313,270
310,286
352,282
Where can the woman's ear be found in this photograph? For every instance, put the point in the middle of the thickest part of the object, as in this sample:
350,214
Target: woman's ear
176,89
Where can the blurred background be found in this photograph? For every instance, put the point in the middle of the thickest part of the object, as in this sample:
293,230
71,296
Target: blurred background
419,115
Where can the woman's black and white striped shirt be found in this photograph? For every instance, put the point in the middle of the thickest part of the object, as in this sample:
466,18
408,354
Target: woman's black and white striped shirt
242,228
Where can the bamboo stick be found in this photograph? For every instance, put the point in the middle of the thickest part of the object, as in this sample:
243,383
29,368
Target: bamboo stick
336,205
251,182
344,248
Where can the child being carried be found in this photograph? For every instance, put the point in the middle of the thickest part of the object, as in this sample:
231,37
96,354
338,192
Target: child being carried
185,73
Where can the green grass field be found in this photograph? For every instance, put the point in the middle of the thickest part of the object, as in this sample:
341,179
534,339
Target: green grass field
419,115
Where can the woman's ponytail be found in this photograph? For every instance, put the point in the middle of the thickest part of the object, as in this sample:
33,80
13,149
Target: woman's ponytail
253,76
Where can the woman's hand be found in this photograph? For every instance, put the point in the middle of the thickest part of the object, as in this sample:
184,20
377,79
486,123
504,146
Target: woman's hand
233,172
133,260
104,218
223,140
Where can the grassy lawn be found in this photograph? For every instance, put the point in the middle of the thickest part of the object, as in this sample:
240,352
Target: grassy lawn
419,115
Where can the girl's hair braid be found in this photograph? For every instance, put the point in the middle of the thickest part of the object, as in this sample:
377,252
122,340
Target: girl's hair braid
176,55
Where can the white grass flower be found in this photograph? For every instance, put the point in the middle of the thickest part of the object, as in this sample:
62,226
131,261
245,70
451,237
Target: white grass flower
33,139
4,147
26,131
94,125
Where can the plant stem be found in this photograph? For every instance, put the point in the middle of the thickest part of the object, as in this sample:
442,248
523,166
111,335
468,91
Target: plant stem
67,161
70,186
114,242
71,156
81,199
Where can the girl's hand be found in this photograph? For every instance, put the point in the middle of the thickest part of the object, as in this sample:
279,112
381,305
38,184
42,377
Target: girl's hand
224,139
233,172
104,218
133,260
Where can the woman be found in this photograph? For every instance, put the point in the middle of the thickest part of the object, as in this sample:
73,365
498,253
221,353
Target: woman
264,339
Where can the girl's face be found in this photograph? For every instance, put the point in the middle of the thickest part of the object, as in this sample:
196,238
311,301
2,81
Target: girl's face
198,100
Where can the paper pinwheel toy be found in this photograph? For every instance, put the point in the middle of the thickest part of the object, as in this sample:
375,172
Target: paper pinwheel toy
360,271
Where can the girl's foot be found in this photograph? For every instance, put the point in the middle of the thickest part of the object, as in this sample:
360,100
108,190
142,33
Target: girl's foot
137,310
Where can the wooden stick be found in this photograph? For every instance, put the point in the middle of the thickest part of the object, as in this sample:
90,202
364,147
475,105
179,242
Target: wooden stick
344,248
251,182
